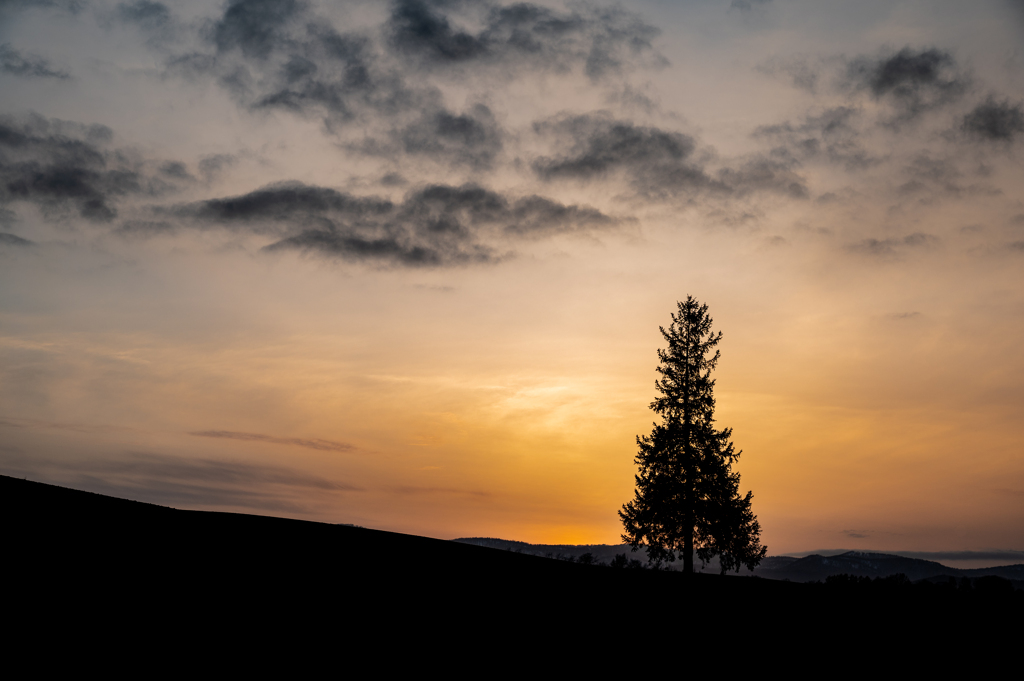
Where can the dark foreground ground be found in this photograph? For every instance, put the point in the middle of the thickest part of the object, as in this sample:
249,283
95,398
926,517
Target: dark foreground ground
85,567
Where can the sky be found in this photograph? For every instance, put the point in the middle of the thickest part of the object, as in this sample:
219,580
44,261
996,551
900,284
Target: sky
404,264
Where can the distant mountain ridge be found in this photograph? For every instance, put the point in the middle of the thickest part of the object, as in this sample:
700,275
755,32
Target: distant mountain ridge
864,564
811,568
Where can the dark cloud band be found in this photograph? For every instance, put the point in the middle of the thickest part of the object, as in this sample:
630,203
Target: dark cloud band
436,225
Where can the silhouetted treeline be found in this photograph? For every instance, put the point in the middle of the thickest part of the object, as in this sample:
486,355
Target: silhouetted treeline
989,588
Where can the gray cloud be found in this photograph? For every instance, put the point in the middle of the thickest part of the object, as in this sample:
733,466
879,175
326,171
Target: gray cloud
894,246
145,228
54,164
656,163
523,35
8,239
72,6
913,81
932,177
309,443
761,174
257,27
284,55
175,170
472,139
747,5
831,136
800,72
60,164
151,16
593,146
211,166
436,225
993,120
27,65
393,179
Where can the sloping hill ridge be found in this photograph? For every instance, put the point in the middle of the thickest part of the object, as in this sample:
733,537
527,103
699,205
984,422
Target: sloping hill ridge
80,544
91,565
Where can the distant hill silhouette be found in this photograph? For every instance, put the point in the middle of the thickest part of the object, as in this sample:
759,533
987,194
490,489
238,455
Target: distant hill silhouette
863,564
807,569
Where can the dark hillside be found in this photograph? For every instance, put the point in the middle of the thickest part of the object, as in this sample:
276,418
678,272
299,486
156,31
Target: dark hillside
76,559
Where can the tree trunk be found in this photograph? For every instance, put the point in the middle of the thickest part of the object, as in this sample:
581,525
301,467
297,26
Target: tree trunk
688,547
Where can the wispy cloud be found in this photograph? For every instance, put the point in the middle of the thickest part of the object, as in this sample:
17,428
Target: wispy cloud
309,443
412,490
181,481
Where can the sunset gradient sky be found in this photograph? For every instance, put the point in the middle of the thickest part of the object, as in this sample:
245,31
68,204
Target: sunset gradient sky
403,264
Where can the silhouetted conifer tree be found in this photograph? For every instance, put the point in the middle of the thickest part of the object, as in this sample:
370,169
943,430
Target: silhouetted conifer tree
687,496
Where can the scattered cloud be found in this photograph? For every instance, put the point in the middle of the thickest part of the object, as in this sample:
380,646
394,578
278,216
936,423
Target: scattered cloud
853,534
